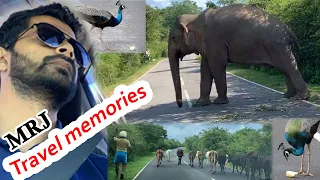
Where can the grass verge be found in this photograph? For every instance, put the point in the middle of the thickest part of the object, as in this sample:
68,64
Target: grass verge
108,90
133,168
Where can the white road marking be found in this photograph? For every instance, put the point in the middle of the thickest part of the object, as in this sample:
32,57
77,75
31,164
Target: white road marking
317,105
186,93
182,82
212,179
143,169
148,71
188,98
186,162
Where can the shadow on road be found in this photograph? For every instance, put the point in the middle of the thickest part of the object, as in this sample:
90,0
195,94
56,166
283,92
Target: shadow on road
242,107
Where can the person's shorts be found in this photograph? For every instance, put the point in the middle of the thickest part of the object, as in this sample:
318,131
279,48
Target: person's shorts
120,157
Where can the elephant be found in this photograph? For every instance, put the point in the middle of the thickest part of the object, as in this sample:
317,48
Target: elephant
238,33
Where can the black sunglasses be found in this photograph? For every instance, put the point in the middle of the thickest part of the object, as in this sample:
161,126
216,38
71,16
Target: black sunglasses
53,37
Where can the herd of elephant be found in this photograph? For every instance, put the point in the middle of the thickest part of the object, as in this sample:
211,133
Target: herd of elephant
243,34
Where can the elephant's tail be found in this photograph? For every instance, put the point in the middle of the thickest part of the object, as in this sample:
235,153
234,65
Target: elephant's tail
293,40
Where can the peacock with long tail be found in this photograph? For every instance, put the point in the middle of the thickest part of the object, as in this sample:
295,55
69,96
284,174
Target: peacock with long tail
298,133
99,18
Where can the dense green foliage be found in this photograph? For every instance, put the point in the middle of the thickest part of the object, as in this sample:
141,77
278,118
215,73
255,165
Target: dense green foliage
144,138
303,18
240,142
112,67
159,22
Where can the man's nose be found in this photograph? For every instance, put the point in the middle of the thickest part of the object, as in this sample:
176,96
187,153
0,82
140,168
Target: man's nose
66,49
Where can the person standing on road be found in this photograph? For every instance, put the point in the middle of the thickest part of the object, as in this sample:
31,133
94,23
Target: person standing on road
121,151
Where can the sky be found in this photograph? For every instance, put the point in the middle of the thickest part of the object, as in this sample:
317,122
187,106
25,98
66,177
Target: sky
164,3
179,131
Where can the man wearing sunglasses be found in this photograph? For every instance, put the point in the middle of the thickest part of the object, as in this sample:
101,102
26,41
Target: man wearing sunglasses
39,63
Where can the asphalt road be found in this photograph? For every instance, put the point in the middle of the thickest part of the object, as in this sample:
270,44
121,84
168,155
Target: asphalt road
172,171
130,32
248,103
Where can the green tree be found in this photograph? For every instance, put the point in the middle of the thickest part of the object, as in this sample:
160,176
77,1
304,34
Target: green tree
245,140
191,143
153,134
210,4
154,21
215,139
260,3
226,2
178,8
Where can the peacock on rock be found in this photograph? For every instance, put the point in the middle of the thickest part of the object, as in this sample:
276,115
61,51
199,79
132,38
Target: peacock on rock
99,18
298,133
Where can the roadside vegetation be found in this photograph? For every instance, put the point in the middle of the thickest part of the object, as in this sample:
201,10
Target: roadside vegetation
237,143
145,139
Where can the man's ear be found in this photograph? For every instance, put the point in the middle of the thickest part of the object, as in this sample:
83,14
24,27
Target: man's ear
4,56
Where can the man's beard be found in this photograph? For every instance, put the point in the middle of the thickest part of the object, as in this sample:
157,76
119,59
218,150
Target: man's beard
41,83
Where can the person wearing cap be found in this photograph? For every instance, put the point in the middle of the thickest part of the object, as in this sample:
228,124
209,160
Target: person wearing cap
121,151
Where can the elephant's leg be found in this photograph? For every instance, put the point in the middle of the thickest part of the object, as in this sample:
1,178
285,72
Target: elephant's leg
300,85
286,62
217,64
205,84
291,91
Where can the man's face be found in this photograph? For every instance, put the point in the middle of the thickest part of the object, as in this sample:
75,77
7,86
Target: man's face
40,71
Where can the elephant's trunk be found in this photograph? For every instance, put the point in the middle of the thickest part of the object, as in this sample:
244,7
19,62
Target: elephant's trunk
175,72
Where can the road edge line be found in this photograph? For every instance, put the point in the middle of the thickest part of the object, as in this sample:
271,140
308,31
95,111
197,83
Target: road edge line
188,98
143,168
148,71
308,102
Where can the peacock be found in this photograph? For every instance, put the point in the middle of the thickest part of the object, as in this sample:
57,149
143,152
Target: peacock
298,133
99,18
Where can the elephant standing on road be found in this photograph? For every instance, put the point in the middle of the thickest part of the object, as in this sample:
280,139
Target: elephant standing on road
237,33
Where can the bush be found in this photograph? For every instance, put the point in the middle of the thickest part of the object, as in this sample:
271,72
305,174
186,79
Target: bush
107,68
111,67
158,49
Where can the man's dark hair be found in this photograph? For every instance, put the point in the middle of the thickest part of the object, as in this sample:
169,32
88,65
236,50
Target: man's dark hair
19,21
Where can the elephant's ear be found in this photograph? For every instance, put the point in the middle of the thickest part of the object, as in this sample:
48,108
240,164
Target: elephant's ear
185,28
